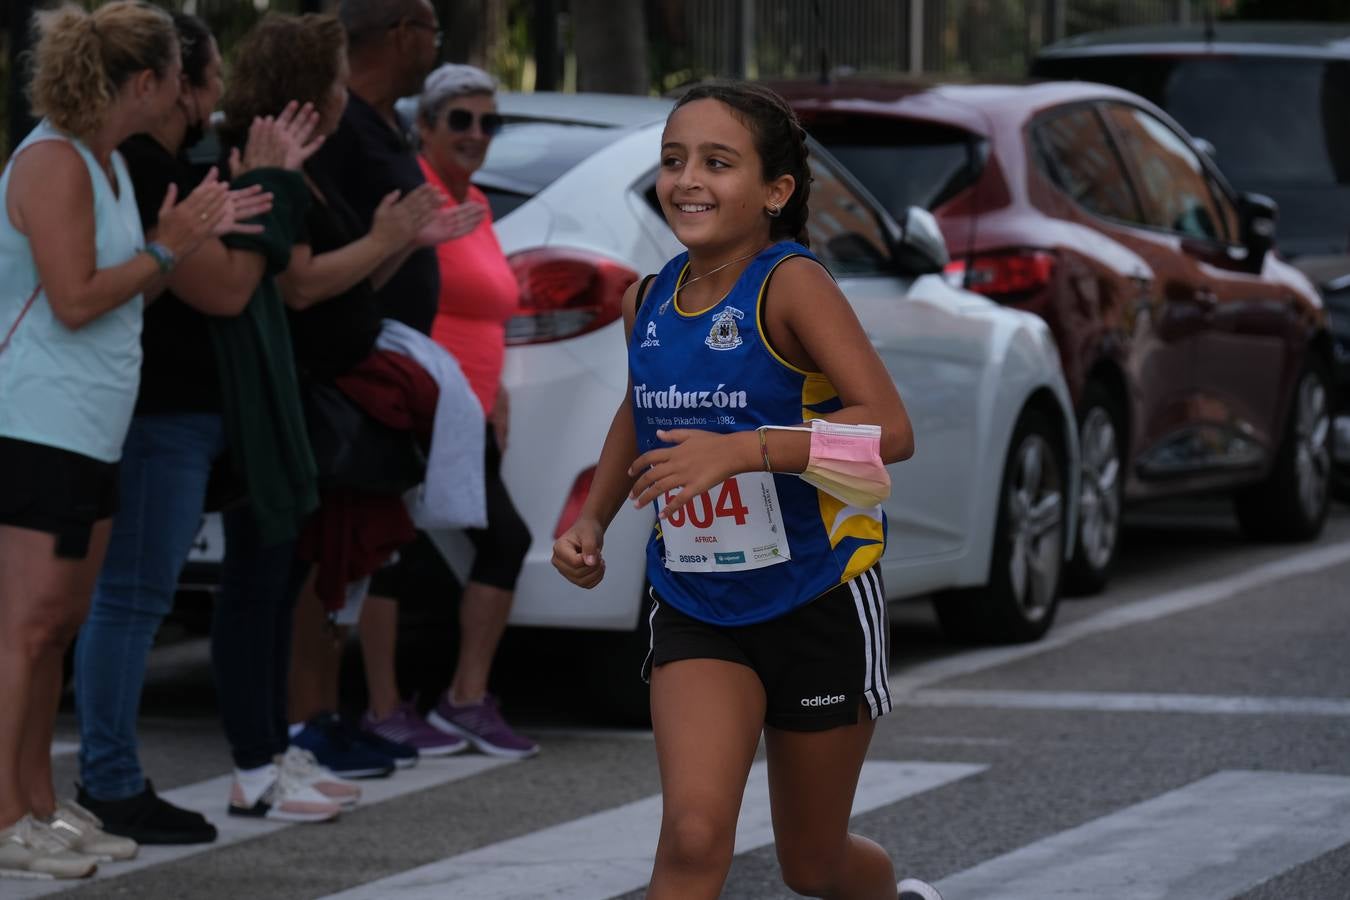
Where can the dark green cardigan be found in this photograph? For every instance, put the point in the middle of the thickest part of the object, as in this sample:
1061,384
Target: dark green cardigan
264,418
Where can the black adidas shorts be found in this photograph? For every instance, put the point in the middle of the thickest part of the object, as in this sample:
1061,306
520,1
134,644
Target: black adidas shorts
818,663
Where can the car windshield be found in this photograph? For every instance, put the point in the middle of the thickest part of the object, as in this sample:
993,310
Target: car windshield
529,155
902,162
1274,122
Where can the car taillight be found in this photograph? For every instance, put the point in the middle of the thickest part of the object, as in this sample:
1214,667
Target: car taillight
575,498
1006,275
564,293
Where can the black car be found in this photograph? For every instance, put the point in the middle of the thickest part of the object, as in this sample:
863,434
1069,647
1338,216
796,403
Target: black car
1269,101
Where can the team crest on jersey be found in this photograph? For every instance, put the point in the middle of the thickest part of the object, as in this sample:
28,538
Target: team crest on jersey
650,340
724,334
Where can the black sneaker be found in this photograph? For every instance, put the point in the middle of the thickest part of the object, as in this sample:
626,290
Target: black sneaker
914,889
147,819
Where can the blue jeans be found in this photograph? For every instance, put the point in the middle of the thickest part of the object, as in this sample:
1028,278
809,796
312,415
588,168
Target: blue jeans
166,464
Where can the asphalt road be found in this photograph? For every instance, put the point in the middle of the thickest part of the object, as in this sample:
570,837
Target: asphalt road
1185,734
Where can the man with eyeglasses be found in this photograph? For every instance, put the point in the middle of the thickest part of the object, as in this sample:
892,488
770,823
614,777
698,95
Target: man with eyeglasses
391,47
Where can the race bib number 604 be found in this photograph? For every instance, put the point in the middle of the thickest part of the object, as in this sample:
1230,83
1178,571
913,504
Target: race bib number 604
731,527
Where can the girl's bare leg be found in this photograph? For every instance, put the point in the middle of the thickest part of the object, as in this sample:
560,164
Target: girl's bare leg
812,779
707,715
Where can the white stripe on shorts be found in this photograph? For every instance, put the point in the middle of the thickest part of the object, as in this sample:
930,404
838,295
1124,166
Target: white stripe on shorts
884,626
869,647
651,633
871,606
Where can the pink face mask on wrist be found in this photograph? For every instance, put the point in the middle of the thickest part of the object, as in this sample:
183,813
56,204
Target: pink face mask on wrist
846,462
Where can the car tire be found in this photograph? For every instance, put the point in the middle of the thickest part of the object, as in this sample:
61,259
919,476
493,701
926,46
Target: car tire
1101,497
1292,503
1019,602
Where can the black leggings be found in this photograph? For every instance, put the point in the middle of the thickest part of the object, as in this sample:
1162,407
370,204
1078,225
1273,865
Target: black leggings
500,547
251,641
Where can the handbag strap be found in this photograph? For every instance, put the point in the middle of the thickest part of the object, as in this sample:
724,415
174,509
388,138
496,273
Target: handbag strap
23,312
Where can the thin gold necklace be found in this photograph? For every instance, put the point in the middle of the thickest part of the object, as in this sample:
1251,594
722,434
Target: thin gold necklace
672,298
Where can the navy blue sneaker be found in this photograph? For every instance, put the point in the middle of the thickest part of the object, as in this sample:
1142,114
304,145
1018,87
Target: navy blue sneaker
404,756
331,742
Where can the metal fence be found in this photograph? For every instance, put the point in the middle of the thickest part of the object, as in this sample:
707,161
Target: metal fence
775,38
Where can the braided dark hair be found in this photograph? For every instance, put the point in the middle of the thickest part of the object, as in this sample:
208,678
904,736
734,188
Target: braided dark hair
779,139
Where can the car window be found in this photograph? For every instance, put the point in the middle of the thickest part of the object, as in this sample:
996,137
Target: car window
904,162
844,229
529,155
1175,190
1275,122
1076,153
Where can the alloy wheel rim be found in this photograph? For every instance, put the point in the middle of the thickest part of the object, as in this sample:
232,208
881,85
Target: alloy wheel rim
1099,500
1312,449
1035,502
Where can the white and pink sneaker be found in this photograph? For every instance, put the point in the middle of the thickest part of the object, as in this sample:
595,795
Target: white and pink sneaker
304,768
270,792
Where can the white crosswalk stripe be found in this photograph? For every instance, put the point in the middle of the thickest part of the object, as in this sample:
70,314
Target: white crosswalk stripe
1110,701
1216,838
209,798
610,853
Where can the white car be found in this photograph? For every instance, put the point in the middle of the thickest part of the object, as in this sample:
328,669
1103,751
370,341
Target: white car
980,517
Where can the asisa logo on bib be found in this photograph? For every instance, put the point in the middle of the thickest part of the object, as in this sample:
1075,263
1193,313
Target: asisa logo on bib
724,334
650,340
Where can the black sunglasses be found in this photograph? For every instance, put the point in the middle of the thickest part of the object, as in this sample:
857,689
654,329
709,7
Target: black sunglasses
462,120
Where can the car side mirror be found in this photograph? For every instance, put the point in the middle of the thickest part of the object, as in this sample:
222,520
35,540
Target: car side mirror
1258,215
920,248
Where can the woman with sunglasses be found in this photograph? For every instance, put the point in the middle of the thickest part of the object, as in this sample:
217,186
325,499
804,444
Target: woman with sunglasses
457,119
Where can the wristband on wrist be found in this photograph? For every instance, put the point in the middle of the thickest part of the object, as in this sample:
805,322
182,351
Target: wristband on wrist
162,256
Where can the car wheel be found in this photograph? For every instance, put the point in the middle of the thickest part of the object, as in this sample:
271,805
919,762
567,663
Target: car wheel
1020,600
1291,504
1101,497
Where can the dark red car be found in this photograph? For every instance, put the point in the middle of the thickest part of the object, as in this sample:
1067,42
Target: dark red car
1199,361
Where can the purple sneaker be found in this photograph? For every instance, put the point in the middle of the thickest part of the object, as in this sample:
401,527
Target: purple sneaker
405,726
483,726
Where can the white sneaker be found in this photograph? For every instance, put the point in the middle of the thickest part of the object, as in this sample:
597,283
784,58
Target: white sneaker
271,792
29,849
914,889
304,768
82,831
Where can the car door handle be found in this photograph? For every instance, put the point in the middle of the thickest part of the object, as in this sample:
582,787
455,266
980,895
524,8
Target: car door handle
1206,298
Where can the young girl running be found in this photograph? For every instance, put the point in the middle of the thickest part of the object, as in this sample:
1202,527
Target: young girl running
767,611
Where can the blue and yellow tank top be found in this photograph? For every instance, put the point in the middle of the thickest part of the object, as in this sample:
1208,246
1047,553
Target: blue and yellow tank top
715,371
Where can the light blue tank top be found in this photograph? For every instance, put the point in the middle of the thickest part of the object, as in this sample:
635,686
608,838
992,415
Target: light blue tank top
715,371
74,390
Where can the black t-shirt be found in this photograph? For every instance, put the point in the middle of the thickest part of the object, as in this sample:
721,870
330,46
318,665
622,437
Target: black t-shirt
334,335
179,370
365,159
